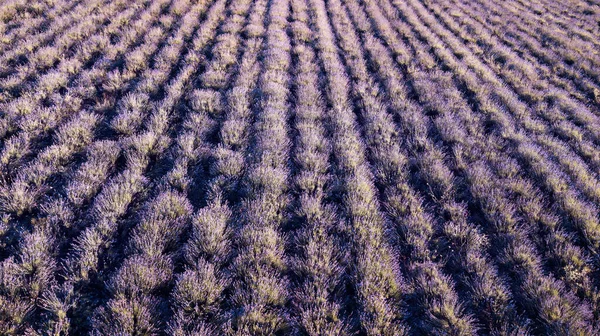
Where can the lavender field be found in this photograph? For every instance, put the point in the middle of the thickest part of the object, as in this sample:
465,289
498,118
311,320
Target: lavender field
299,167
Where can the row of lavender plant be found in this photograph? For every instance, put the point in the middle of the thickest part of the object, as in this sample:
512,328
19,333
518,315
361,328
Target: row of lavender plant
558,81
154,239
52,14
581,16
71,103
433,288
12,10
535,125
54,64
532,270
525,148
88,178
44,121
70,138
29,111
21,194
532,203
574,264
373,268
583,176
545,48
479,278
561,70
226,110
34,127
259,289
569,124
515,58
318,242
208,102
25,43
572,49
199,293
119,191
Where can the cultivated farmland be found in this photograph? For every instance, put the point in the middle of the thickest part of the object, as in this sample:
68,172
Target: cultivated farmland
299,167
